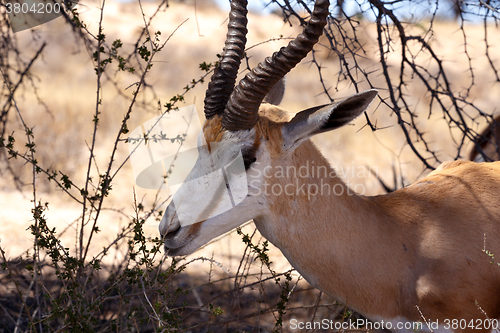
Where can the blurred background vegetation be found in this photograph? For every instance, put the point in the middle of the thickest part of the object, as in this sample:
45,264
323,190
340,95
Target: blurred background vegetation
79,241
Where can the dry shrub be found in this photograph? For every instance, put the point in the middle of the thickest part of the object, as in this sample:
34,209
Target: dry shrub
72,280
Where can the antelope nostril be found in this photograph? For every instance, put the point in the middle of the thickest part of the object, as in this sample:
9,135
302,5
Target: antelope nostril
168,232
169,223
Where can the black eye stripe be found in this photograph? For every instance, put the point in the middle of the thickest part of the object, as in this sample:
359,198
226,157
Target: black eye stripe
248,158
249,162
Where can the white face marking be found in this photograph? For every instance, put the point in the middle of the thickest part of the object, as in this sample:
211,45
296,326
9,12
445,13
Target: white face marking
216,184
205,195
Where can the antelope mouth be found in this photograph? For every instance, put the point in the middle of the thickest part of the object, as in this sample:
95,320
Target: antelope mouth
173,244
171,234
172,239
174,247
179,241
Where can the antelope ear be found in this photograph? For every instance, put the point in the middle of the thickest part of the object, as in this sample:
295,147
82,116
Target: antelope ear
325,118
275,96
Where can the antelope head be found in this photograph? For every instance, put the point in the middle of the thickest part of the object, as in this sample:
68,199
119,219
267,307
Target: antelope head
242,120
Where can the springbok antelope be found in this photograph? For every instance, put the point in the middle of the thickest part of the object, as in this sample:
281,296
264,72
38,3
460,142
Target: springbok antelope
424,251
488,142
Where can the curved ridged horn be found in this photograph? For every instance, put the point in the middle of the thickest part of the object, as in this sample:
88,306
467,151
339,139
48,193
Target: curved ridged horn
241,112
222,82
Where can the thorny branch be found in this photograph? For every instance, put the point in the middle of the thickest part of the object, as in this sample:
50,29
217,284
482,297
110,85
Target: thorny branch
419,64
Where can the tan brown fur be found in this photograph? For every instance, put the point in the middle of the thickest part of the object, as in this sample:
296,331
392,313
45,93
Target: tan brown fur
270,116
213,130
385,255
426,245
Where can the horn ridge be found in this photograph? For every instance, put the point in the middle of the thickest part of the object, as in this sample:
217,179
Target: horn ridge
222,82
241,112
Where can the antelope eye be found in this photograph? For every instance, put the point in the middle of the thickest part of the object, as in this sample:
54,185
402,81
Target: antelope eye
248,161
